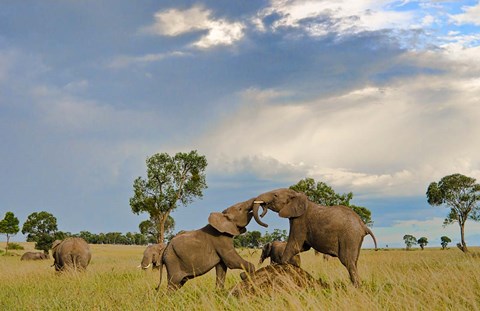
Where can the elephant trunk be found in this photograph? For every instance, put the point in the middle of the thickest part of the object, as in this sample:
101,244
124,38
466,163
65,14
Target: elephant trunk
256,205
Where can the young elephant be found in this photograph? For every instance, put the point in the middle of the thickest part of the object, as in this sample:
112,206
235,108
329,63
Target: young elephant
152,255
194,253
34,256
334,230
274,250
71,253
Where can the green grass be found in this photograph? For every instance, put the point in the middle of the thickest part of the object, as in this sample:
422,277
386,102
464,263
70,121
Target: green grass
391,280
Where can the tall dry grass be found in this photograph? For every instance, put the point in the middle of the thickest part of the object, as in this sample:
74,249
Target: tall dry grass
391,280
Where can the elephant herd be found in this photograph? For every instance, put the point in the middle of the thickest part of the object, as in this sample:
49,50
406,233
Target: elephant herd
332,230
336,231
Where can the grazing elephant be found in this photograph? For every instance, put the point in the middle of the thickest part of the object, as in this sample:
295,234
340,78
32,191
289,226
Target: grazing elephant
71,253
34,256
152,255
334,230
274,250
194,253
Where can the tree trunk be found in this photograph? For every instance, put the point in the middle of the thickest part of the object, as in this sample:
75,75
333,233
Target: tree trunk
462,235
6,247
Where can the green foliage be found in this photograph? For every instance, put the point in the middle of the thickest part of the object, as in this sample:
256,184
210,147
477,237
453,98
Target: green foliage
445,240
15,246
9,226
459,193
409,240
323,194
170,180
423,241
150,228
276,235
250,239
42,229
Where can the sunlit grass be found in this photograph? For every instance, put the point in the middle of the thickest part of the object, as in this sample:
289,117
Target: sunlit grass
391,280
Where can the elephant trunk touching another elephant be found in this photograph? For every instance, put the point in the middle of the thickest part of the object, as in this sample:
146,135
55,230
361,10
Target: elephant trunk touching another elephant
334,230
194,253
71,253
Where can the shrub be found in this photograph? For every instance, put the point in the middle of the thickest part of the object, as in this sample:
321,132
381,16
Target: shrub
15,246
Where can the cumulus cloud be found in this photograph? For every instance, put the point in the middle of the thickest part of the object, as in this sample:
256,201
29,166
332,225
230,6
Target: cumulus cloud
388,140
470,15
338,16
176,22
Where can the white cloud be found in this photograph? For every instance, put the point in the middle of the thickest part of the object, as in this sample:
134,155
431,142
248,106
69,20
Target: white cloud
343,16
175,22
392,140
471,15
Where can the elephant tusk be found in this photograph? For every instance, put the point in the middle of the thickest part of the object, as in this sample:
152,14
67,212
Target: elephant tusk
258,202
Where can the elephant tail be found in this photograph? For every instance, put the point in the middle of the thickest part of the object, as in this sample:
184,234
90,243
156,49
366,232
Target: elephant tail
373,237
160,265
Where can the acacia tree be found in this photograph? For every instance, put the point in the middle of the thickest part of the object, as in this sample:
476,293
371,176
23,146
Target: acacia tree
423,241
150,227
170,181
409,240
323,194
9,227
445,240
461,194
42,229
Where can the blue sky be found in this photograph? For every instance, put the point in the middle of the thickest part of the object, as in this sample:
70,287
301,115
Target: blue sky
379,98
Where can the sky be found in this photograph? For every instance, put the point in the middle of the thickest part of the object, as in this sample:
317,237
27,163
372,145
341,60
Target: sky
375,97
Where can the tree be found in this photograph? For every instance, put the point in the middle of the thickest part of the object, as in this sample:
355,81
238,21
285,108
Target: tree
9,227
461,194
423,241
323,194
409,240
445,240
170,180
150,228
42,229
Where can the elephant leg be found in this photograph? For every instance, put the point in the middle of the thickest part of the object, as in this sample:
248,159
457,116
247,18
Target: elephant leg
221,271
296,240
349,260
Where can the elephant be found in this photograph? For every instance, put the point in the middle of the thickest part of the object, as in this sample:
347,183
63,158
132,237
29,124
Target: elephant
151,256
71,253
333,230
34,256
196,252
274,250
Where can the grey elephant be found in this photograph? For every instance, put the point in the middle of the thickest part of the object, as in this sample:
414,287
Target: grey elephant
71,253
152,255
34,256
194,253
274,250
334,230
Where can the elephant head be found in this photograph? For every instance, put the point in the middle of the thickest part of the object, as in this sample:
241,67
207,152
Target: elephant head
286,202
266,250
234,219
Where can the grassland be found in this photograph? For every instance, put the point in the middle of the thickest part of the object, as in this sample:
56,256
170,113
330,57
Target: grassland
391,280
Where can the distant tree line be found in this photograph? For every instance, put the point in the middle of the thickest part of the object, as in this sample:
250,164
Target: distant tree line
254,239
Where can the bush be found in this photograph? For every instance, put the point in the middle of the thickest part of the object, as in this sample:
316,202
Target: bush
15,246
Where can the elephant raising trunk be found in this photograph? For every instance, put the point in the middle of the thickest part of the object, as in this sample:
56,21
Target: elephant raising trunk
334,230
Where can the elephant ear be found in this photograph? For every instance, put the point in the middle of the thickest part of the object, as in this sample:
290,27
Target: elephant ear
222,223
296,206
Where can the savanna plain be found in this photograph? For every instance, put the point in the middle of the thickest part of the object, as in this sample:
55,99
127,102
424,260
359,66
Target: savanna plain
393,279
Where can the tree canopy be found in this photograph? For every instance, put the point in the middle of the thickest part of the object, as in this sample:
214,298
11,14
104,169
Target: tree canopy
409,240
150,228
323,194
423,241
461,194
444,241
9,227
42,229
171,180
